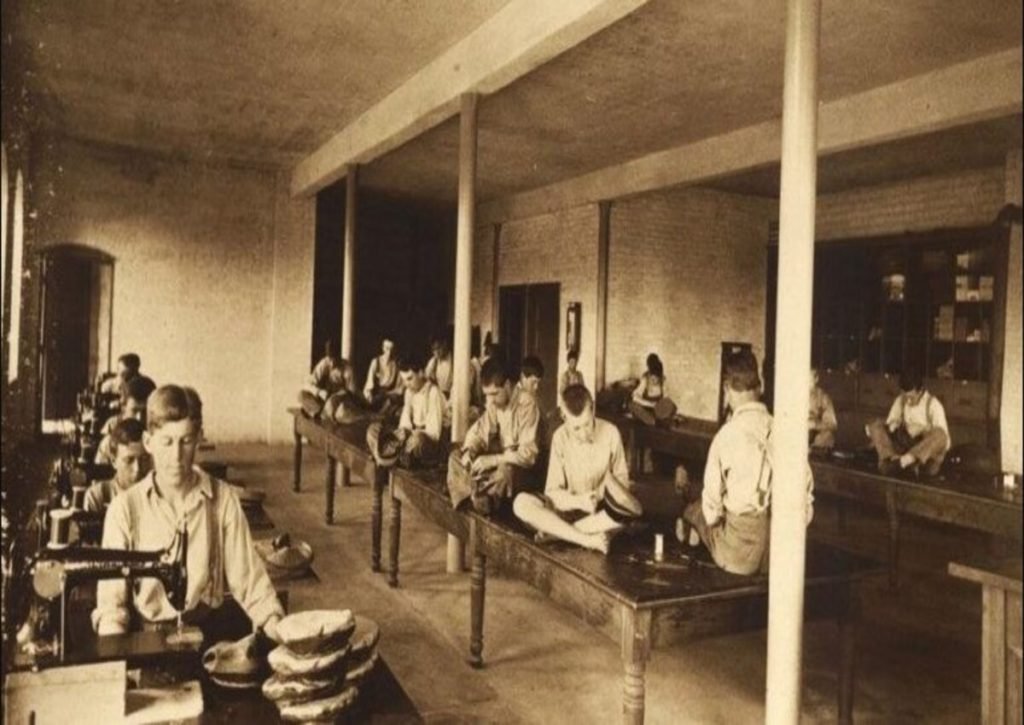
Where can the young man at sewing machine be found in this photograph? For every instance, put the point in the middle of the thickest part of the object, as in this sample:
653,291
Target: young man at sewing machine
221,558
915,435
131,464
587,495
134,396
497,458
127,368
421,425
732,516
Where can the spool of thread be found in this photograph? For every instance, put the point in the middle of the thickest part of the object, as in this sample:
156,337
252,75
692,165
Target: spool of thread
682,479
78,497
60,528
659,547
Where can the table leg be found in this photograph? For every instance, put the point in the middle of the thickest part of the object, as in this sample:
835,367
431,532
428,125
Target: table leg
379,482
395,526
477,598
297,463
848,622
332,466
636,648
894,536
993,655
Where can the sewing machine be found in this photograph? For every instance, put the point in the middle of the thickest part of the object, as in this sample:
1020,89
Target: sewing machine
56,572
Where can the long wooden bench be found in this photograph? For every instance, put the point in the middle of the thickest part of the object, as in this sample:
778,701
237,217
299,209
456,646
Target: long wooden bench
970,501
629,597
343,445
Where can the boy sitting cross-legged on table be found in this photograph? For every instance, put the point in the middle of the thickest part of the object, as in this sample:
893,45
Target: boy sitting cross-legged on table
587,495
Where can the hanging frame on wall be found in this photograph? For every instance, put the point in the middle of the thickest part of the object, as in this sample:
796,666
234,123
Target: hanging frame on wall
572,326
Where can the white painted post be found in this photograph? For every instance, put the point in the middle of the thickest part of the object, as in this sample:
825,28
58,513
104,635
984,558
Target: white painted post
463,289
793,361
349,273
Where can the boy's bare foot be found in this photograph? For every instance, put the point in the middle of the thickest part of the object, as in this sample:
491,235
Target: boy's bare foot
907,460
541,538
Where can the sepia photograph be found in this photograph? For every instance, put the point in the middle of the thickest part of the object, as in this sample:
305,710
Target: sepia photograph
512,361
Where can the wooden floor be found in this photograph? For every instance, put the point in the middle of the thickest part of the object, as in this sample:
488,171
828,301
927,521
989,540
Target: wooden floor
919,645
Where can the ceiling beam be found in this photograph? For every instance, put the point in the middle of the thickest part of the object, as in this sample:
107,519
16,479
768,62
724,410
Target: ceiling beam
520,37
977,90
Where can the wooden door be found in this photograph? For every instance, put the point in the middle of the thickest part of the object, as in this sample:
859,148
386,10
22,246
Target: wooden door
528,324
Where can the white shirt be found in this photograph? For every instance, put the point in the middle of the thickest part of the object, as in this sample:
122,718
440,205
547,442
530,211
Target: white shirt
919,419
424,410
220,551
738,474
579,468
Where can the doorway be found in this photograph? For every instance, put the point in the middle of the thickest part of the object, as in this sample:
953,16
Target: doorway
76,321
528,324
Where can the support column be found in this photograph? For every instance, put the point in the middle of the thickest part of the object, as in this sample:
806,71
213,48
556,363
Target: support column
495,277
793,360
349,273
463,290
603,247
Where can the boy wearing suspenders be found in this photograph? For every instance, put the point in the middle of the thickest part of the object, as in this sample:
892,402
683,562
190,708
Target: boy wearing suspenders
915,433
221,557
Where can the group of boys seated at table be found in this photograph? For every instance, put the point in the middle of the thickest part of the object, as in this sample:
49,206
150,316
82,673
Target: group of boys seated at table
585,494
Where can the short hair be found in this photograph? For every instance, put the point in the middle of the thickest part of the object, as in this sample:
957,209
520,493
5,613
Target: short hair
138,388
573,354
532,367
131,361
654,365
410,363
124,433
911,379
493,373
576,399
741,373
171,403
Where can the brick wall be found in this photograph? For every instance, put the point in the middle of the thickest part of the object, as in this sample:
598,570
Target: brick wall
292,305
559,247
952,200
686,272
194,272
1010,418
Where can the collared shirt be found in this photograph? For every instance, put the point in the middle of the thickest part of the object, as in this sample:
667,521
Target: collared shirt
570,377
382,376
515,426
327,376
100,494
919,419
439,370
424,410
821,414
220,551
738,473
580,467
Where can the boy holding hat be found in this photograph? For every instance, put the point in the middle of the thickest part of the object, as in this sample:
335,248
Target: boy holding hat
587,494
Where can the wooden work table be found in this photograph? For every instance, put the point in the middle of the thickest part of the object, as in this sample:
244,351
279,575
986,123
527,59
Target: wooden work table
971,501
1000,579
343,445
634,600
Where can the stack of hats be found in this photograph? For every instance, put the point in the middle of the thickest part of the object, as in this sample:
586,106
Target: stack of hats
324,657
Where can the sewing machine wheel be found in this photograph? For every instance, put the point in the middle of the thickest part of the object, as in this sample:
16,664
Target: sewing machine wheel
48,579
